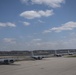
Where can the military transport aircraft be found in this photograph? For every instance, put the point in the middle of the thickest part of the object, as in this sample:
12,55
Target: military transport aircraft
36,57
6,61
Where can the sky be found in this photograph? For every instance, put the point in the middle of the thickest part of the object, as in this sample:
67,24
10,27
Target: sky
37,24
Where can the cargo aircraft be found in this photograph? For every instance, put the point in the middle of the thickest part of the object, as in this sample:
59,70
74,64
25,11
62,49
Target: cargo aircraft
6,61
36,57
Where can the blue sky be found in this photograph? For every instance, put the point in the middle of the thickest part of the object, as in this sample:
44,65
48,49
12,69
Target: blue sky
37,24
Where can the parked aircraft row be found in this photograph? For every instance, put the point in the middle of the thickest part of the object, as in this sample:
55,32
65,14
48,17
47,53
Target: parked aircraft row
61,54
10,61
35,57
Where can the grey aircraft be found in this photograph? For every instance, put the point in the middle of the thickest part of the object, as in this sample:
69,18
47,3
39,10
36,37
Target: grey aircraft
36,57
6,61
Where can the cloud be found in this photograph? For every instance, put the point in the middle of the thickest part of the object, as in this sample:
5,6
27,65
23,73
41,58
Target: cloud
24,1
9,40
40,44
50,3
36,40
26,23
46,31
67,26
36,14
41,21
60,44
7,24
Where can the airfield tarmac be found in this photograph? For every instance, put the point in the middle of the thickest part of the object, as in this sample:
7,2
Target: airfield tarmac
47,66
